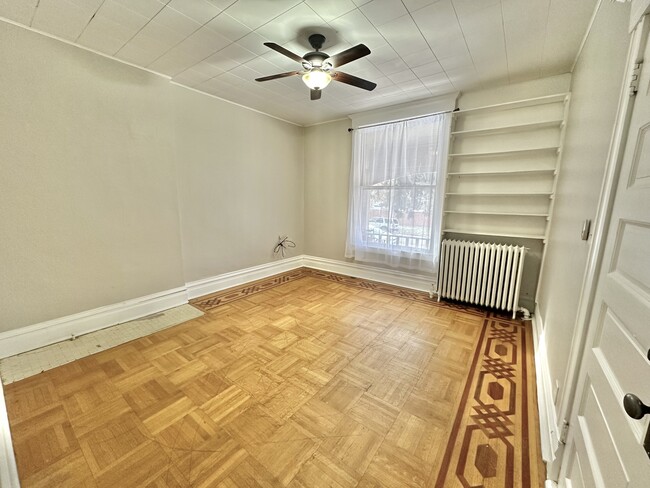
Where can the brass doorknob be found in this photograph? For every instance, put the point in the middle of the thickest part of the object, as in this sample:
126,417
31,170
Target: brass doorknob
634,407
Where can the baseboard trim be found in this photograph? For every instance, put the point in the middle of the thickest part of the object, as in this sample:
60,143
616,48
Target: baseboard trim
220,282
45,333
388,276
8,469
550,484
550,439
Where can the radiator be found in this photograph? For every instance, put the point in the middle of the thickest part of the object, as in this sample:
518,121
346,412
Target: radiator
481,273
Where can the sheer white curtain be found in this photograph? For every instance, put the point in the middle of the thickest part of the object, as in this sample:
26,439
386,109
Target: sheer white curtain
397,192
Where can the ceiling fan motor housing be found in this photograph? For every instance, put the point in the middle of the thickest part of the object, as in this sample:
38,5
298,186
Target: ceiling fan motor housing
316,41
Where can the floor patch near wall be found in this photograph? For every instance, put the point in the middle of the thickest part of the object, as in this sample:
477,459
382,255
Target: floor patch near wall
24,365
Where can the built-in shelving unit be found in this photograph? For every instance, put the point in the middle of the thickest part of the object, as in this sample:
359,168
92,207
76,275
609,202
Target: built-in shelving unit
503,166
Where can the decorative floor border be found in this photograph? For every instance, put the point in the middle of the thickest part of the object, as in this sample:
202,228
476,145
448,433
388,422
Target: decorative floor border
493,441
214,300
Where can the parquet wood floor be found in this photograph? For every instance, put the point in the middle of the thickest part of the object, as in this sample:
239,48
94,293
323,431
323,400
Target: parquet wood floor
315,382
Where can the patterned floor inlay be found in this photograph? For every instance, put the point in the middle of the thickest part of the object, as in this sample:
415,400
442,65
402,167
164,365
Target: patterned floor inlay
491,443
214,300
306,381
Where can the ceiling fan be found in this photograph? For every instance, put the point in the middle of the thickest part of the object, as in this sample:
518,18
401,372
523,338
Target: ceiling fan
318,66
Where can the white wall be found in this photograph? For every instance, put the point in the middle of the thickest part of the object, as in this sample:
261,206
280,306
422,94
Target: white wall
240,176
88,207
595,87
97,161
328,149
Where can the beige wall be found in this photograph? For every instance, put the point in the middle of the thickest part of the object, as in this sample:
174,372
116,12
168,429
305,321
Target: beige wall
97,160
240,176
87,193
328,151
595,88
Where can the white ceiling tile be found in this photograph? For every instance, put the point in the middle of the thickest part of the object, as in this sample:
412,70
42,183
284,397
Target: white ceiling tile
440,27
420,58
146,8
191,77
419,47
255,13
428,69
403,36
207,69
413,5
355,28
455,62
207,41
392,67
237,53
64,18
200,11
331,9
403,77
467,7
222,62
21,12
222,4
112,27
254,42
176,22
435,81
281,62
288,25
382,54
382,11
228,27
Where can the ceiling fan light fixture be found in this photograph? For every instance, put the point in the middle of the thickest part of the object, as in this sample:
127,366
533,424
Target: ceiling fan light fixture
316,79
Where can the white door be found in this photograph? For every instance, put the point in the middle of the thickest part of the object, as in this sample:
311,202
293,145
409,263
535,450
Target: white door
605,446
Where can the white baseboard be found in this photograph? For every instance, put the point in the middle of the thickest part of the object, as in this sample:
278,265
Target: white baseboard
220,282
550,484
397,278
8,469
217,283
43,334
550,438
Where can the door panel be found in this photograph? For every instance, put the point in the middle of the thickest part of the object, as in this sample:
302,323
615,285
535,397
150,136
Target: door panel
605,446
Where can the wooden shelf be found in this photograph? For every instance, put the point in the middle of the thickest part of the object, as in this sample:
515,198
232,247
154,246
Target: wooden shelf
529,194
496,234
507,172
505,153
529,102
509,128
500,214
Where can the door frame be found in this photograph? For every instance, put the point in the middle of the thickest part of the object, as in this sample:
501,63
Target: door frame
639,26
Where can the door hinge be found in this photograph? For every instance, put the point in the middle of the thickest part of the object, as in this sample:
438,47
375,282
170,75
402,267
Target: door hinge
634,82
565,432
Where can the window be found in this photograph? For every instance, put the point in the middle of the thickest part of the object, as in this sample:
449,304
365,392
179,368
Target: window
396,192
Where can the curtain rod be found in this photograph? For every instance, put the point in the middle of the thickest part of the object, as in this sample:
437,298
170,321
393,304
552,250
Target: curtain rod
409,118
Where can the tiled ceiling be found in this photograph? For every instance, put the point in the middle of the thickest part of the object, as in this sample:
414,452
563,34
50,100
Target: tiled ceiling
420,48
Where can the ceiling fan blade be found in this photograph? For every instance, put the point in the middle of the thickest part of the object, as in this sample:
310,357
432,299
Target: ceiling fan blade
348,55
286,52
353,80
280,75
315,94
